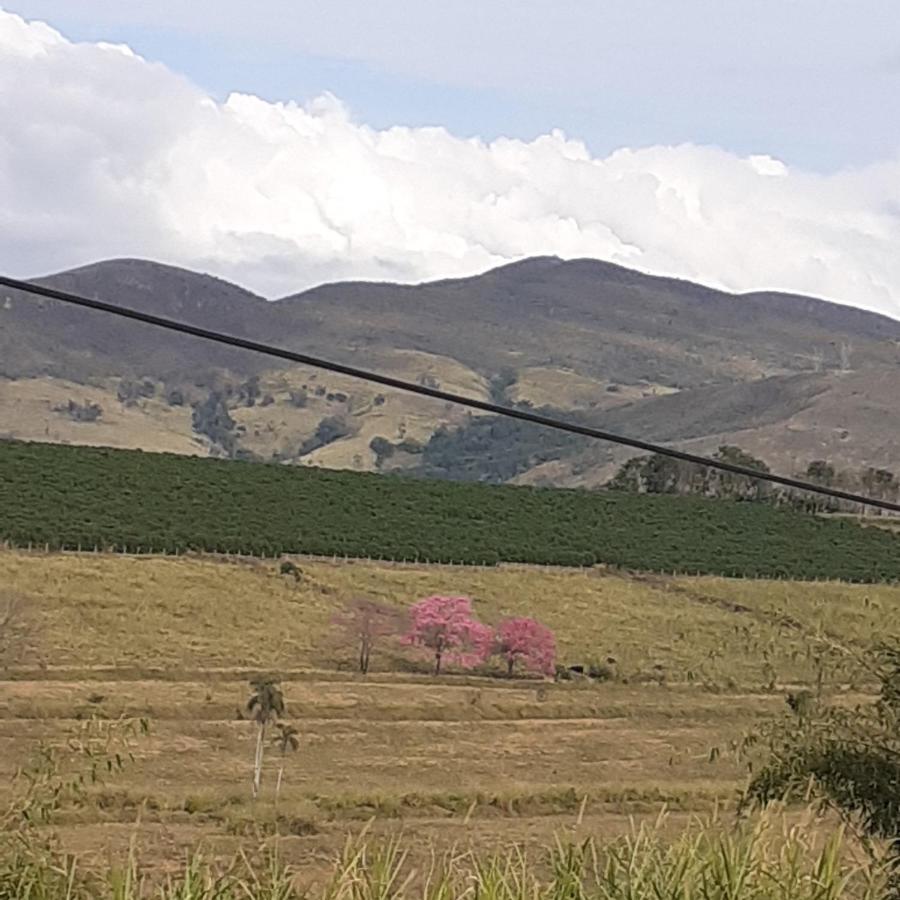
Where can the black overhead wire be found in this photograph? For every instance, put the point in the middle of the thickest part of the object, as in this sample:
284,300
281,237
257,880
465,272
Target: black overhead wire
437,394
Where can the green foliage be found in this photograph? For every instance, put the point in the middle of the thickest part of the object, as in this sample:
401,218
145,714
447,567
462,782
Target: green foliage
848,757
59,777
501,383
657,474
382,448
212,419
494,449
329,430
266,702
288,568
68,497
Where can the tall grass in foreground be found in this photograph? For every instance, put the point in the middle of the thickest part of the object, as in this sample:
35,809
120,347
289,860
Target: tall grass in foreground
707,861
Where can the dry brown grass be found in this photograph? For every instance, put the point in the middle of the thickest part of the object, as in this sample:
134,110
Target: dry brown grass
175,640
566,389
28,413
190,613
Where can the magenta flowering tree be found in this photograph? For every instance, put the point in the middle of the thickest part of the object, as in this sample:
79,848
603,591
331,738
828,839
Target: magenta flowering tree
527,643
447,628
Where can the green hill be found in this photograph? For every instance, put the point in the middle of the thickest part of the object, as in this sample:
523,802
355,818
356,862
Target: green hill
67,497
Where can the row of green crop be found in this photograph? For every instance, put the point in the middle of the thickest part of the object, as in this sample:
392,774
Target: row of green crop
68,497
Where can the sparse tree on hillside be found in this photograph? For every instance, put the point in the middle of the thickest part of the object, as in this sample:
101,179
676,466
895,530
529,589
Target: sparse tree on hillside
730,485
329,430
879,482
249,392
526,642
299,398
448,629
266,705
501,383
382,448
287,740
81,412
175,397
821,472
364,623
212,418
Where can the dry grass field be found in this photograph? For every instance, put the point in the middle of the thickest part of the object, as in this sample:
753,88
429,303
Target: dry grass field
464,758
33,409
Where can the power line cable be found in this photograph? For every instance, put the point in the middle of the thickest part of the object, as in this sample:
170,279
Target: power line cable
438,394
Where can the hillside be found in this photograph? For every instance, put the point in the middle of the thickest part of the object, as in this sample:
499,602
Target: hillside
81,497
788,378
477,758
600,320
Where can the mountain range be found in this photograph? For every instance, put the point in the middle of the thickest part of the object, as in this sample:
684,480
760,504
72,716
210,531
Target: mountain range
788,378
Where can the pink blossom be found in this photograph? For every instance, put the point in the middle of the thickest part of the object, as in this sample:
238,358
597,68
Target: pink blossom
447,627
527,642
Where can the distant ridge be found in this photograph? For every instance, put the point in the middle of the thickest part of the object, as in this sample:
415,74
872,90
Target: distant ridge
791,378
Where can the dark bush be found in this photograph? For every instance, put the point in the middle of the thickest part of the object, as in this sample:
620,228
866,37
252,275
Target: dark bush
81,412
212,419
602,672
382,448
329,430
299,398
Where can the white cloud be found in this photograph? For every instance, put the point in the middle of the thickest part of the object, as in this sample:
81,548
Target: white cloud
103,153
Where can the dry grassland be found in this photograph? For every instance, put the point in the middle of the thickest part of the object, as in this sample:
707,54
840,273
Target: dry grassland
474,757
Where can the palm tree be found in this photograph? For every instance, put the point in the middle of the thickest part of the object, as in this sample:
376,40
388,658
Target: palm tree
286,740
266,705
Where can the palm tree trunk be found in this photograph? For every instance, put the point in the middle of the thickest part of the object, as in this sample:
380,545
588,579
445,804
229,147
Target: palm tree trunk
257,763
278,783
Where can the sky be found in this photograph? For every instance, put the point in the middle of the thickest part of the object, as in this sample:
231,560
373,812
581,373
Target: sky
283,143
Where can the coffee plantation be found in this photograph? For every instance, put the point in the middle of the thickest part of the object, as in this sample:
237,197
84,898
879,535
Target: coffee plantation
68,497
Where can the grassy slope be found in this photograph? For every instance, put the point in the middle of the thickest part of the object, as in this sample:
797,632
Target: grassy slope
176,640
188,614
30,409
28,412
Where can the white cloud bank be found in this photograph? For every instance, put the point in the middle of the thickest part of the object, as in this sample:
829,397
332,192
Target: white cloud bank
105,154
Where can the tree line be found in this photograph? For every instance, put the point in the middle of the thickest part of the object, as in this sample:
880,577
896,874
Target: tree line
657,474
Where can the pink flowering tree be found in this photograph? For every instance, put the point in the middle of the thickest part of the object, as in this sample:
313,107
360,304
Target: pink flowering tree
447,629
526,643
